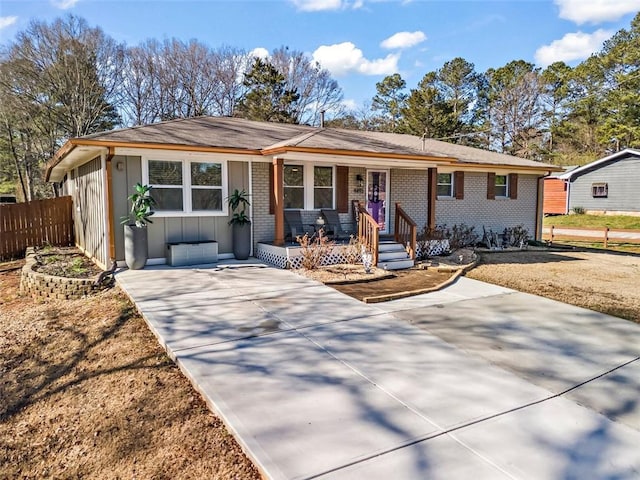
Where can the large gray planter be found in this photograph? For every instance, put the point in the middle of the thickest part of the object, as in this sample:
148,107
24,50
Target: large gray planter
241,237
136,250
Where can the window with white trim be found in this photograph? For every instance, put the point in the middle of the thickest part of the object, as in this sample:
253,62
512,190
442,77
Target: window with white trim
193,186
502,186
322,187
445,185
294,186
309,187
600,190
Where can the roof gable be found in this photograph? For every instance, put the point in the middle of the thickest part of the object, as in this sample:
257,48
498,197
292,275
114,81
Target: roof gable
601,163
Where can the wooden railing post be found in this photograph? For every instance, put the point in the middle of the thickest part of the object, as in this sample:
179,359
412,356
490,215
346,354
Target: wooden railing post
405,231
606,237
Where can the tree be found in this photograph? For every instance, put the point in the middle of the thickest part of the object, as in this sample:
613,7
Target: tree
316,89
389,100
425,111
267,97
57,81
555,84
513,109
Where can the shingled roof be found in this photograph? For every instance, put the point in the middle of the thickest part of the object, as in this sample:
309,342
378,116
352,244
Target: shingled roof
253,137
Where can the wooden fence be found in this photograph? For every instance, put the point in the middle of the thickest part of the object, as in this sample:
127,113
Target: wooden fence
35,223
604,235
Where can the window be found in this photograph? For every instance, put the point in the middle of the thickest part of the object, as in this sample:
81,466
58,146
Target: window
166,180
322,187
206,186
501,184
445,185
599,190
187,186
307,187
293,186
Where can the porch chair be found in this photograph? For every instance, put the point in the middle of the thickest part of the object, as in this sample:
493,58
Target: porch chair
340,231
294,225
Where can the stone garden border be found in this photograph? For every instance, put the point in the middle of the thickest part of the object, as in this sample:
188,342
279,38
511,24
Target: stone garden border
41,285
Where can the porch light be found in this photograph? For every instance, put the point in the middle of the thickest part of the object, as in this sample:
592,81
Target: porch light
360,180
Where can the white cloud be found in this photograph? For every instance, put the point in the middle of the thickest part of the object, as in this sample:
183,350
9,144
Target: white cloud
7,21
573,46
596,11
403,40
259,52
64,4
343,58
349,104
324,5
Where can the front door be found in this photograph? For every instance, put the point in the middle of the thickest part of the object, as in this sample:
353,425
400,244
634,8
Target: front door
377,197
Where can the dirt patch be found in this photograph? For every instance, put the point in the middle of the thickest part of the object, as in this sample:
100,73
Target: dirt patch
65,262
600,281
353,281
87,392
402,281
344,273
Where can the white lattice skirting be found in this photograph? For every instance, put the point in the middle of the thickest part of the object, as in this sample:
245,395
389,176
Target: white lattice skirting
291,257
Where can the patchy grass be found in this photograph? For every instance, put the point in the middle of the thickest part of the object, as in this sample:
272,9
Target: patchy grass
602,281
87,392
595,221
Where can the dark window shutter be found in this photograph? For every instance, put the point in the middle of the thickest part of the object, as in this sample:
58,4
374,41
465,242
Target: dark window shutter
272,195
513,186
458,185
342,189
491,186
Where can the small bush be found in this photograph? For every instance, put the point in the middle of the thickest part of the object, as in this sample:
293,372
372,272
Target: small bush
351,251
517,236
461,236
314,249
578,210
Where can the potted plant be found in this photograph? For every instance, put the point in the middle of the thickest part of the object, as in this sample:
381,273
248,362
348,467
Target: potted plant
241,224
135,227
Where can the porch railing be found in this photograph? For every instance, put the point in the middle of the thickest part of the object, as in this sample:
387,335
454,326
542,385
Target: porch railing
368,232
405,231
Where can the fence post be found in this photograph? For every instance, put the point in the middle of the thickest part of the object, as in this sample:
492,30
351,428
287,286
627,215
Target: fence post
606,237
551,240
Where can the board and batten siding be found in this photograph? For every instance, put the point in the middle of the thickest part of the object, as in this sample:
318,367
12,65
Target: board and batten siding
163,230
478,211
89,210
621,177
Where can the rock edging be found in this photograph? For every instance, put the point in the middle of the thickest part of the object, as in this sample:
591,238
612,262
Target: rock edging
42,285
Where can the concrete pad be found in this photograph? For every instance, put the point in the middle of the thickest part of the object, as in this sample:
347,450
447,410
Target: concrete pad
433,378
298,410
616,395
438,458
549,343
189,321
556,439
462,289
315,304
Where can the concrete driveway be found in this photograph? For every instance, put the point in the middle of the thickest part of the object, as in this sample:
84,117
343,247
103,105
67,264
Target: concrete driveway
474,381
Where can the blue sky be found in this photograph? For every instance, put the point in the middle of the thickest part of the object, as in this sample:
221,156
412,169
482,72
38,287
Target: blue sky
359,41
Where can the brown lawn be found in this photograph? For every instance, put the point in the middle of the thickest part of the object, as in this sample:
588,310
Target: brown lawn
87,392
606,282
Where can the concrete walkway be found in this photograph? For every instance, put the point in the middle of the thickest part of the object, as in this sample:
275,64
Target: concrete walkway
474,381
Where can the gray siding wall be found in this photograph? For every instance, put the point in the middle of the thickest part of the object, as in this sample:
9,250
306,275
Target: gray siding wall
475,209
622,177
89,210
171,229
